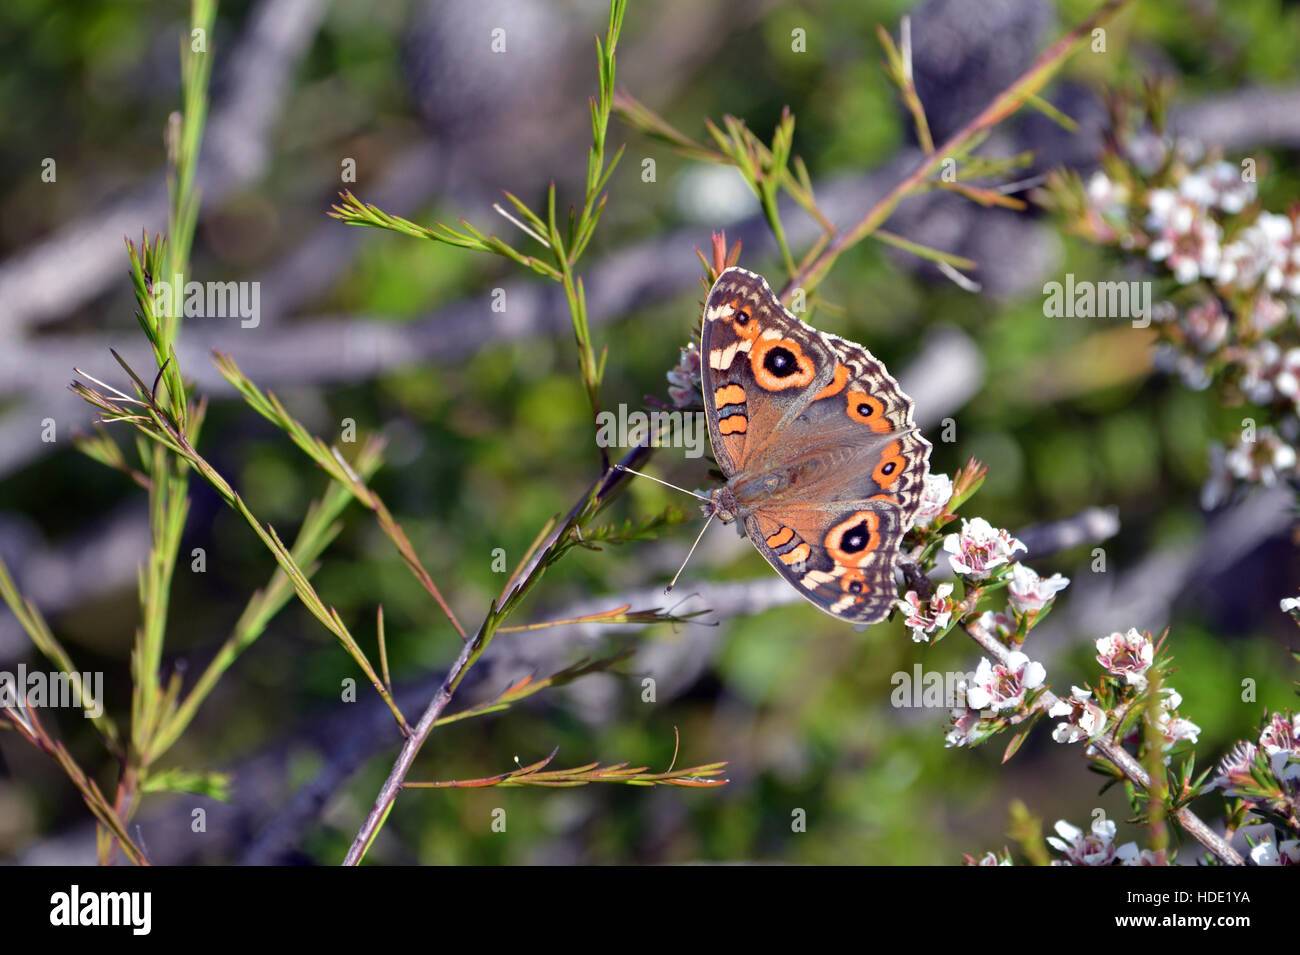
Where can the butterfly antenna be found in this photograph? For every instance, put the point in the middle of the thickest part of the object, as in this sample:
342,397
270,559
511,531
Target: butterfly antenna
673,582
619,467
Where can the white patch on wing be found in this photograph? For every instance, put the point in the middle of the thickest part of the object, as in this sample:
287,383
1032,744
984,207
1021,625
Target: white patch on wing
815,578
843,604
720,359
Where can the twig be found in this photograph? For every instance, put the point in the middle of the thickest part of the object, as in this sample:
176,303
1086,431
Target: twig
1116,753
1002,106
596,497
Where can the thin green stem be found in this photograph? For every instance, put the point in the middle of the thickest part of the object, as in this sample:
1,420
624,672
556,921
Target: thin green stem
318,529
1005,104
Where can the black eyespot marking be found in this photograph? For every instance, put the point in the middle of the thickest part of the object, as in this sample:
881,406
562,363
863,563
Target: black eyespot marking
855,586
780,362
855,539
866,410
742,317
889,468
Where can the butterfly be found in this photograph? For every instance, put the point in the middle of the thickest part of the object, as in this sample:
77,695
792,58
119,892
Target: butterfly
824,467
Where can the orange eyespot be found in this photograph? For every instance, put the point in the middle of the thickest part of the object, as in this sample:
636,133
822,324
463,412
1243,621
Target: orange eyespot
779,363
854,582
869,410
891,465
851,541
742,320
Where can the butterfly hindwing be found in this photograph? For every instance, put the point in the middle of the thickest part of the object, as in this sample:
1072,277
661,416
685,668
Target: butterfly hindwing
840,558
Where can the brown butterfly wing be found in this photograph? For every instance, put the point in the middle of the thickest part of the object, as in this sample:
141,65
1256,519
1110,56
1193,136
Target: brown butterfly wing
865,410
832,406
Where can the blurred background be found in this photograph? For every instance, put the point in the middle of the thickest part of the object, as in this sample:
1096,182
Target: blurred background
489,433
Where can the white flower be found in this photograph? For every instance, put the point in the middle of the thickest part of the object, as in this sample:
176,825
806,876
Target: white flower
999,624
1267,312
1206,326
934,498
1107,198
1196,188
1266,460
1129,854
1286,378
1260,253
1176,730
1031,592
1290,603
1095,848
1147,151
1285,764
979,548
927,617
1266,853
963,727
1128,655
1085,719
1259,366
1002,686
1184,237
1280,734
1219,186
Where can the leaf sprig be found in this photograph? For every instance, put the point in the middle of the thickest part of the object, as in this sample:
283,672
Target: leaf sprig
536,774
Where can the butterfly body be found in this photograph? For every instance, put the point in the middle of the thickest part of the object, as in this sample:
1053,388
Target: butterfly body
824,465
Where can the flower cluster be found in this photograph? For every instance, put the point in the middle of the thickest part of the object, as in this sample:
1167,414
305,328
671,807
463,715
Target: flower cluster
1131,710
1096,847
1232,319
1128,659
1030,593
982,555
